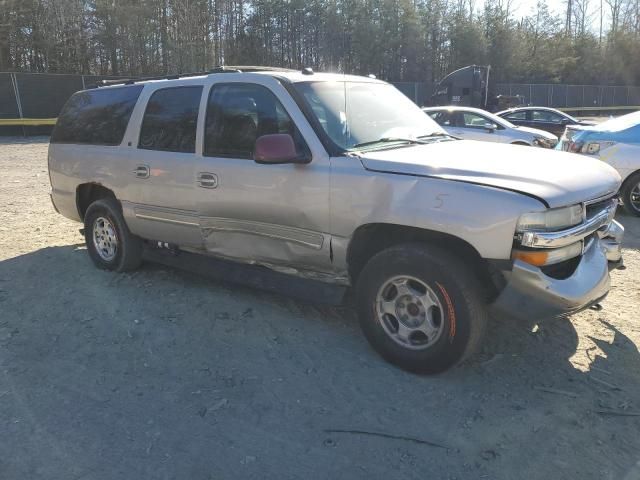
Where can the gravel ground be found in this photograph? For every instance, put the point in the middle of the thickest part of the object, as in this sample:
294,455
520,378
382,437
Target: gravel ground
162,374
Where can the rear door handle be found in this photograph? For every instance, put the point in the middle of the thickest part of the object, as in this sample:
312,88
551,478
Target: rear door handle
207,180
142,171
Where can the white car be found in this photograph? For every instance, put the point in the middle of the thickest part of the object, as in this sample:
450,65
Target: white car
475,124
616,142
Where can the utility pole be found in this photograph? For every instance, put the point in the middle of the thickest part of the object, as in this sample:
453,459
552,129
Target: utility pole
600,38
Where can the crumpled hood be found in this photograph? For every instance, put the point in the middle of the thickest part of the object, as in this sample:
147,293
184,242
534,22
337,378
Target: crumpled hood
557,178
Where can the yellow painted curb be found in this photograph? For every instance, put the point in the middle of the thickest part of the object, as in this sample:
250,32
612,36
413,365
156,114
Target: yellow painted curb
27,121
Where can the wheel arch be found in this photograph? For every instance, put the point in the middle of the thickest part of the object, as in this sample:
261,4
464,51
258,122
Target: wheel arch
627,179
370,239
87,193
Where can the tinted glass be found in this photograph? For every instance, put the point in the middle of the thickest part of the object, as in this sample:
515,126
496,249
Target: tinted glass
237,114
96,117
546,116
517,116
170,120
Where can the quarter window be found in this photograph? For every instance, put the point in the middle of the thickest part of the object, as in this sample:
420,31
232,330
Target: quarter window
237,114
96,117
170,120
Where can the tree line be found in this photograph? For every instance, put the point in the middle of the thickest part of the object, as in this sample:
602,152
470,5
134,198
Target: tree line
593,42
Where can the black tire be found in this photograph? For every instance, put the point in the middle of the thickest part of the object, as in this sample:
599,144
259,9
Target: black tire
625,192
128,255
462,320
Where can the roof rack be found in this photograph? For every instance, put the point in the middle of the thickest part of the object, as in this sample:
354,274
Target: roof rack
217,69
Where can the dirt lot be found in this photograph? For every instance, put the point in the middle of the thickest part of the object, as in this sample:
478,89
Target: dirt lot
162,374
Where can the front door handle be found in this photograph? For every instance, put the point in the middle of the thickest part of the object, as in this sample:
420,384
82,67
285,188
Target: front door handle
207,180
142,171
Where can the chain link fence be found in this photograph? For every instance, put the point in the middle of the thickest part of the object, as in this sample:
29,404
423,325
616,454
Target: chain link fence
30,102
572,96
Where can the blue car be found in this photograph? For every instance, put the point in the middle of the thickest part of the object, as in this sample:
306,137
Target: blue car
616,142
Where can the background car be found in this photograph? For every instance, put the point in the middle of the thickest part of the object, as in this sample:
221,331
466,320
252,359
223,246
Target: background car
475,124
543,118
617,142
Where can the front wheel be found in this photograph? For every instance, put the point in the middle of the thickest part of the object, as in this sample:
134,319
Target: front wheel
630,193
420,307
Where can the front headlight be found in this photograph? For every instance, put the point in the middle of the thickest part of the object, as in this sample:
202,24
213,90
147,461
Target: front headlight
551,220
544,142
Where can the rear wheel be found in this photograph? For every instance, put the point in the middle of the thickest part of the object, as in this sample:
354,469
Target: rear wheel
110,244
420,307
630,193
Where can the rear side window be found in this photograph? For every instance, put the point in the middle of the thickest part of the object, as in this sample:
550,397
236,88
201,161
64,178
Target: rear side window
546,116
96,117
170,120
237,114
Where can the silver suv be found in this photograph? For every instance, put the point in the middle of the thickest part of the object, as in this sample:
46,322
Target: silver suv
340,179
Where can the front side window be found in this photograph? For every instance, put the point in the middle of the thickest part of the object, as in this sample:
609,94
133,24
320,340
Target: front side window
356,113
473,120
170,120
96,117
238,113
441,118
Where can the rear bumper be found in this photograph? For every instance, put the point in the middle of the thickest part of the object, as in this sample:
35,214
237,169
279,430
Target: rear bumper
530,293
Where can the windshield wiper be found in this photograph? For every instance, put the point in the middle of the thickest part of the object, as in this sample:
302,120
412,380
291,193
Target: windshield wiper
412,141
439,134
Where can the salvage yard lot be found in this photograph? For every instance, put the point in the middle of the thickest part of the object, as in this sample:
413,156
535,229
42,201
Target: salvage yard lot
162,374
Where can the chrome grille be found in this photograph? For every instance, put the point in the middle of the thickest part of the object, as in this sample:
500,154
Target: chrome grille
594,207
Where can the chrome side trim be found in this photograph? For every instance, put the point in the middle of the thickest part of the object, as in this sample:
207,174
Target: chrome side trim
166,215
308,238
571,235
165,220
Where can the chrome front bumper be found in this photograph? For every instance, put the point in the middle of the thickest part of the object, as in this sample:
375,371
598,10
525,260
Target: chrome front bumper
530,293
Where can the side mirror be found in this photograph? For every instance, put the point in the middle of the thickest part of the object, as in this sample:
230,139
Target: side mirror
490,127
277,148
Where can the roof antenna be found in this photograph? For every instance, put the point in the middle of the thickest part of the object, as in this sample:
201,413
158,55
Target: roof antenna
307,71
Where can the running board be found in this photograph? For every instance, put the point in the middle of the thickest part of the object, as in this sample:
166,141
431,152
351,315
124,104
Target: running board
254,276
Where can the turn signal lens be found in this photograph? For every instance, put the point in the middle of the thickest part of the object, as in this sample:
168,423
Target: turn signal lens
540,258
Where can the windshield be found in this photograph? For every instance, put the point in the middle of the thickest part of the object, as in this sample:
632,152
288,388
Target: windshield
354,113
